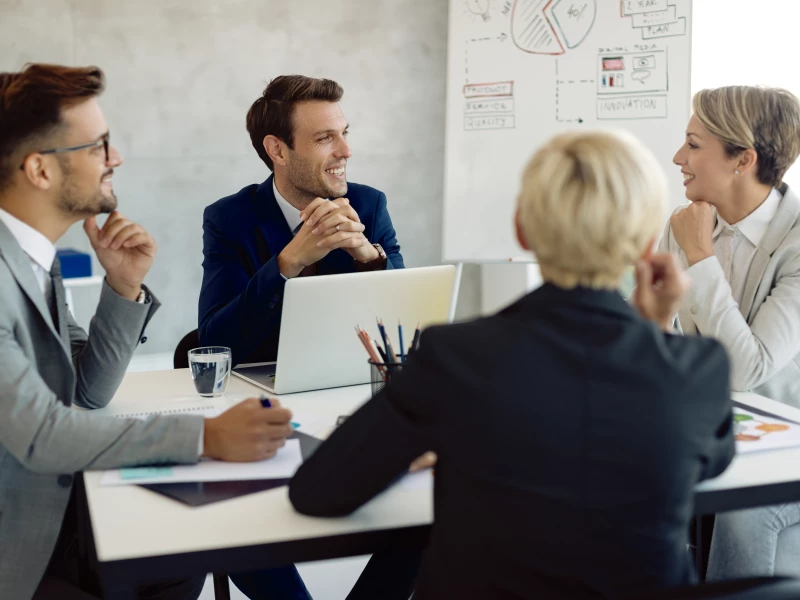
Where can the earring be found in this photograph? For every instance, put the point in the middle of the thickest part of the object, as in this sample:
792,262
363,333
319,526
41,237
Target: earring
736,171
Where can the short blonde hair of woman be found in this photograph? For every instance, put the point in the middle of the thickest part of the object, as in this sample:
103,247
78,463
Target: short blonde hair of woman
764,119
590,205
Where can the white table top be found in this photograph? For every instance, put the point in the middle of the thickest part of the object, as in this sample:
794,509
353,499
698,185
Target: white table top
759,468
131,522
83,281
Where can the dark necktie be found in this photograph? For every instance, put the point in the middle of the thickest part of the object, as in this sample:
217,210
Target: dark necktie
56,299
309,270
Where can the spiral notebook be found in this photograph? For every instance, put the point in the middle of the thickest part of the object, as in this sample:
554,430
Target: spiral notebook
204,411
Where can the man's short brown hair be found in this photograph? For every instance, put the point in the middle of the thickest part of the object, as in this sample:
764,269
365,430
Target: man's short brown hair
272,113
31,104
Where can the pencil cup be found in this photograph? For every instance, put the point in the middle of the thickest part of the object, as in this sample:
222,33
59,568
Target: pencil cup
381,373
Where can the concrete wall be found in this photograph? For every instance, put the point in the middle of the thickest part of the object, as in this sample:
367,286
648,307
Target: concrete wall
181,76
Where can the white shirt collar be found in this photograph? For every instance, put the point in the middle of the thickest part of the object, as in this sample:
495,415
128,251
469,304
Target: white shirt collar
32,242
290,213
754,225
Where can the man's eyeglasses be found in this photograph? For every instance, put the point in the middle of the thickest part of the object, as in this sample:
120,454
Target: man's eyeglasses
101,142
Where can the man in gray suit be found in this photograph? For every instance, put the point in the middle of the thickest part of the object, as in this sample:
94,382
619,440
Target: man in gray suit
56,167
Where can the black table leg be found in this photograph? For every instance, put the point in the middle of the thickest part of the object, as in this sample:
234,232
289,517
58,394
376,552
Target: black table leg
699,559
221,589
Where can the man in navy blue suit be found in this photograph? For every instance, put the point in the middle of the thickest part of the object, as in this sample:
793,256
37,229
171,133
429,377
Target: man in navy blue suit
305,219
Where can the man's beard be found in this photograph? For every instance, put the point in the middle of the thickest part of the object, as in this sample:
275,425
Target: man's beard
304,179
74,202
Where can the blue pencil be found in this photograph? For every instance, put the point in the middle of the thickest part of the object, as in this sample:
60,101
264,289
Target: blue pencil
400,334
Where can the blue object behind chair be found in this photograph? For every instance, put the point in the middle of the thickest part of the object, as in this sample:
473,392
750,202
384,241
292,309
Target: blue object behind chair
74,263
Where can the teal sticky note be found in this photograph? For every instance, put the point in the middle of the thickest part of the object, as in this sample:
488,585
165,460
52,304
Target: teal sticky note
145,472
295,425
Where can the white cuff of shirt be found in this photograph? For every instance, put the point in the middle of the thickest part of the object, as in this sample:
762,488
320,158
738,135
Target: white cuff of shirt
202,439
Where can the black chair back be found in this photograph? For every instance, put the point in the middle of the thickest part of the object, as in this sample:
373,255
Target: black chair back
180,360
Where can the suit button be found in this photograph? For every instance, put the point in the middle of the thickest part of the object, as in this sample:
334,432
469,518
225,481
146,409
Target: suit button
65,481
143,340
693,310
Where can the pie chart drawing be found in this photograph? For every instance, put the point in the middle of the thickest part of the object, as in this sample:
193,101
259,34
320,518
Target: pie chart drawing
551,26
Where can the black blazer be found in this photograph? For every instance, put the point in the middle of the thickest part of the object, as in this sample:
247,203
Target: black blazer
241,299
570,434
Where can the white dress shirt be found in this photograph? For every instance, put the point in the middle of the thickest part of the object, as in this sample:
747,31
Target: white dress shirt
290,213
41,252
735,246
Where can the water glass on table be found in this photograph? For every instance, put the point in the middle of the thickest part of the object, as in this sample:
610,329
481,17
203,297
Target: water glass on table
211,369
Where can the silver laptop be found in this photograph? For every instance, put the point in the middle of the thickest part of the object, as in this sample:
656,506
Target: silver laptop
318,345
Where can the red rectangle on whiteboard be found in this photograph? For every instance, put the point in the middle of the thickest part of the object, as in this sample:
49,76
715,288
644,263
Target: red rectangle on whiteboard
489,90
613,63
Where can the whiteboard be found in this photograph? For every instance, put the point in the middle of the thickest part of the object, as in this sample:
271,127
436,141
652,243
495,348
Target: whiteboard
520,71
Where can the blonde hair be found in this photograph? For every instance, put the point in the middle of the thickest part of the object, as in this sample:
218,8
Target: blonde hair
764,119
590,204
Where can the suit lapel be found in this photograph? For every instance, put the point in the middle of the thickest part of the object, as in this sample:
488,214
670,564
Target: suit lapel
783,221
20,267
273,225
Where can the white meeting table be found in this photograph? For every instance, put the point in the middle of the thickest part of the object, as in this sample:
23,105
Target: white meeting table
138,536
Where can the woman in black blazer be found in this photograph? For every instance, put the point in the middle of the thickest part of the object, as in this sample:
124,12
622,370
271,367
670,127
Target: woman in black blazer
570,427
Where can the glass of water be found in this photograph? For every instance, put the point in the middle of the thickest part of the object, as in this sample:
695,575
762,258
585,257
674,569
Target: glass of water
211,369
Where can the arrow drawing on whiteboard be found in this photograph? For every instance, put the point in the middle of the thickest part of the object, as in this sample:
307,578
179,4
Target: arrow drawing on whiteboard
569,83
500,38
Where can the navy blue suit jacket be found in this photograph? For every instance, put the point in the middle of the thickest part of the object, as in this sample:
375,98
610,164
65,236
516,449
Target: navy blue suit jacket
241,298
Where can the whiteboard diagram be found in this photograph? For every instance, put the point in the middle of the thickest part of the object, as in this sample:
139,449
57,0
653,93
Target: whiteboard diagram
520,71
655,18
479,8
551,26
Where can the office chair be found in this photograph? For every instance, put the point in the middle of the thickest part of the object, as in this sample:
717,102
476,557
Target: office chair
751,588
180,360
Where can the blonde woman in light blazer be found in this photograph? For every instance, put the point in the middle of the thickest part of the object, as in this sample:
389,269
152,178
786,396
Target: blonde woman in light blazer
739,238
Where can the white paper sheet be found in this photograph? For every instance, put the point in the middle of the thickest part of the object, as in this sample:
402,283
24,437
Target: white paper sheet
756,432
282,465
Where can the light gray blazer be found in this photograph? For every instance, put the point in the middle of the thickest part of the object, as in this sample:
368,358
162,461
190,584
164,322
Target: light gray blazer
42,439
762,336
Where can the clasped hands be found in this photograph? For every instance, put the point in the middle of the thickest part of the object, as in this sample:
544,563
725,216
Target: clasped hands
327,225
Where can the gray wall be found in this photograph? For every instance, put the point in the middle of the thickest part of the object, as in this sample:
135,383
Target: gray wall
181,76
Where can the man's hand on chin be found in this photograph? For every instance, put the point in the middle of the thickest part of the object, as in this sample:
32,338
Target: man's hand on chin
125,250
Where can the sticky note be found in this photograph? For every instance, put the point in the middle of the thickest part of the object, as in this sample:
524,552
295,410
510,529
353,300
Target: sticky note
145,472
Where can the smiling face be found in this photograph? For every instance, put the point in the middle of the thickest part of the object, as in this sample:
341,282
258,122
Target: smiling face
86,186
317,164
708,172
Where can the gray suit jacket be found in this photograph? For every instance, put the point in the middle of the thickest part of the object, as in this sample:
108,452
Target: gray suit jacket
762,336
43,440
